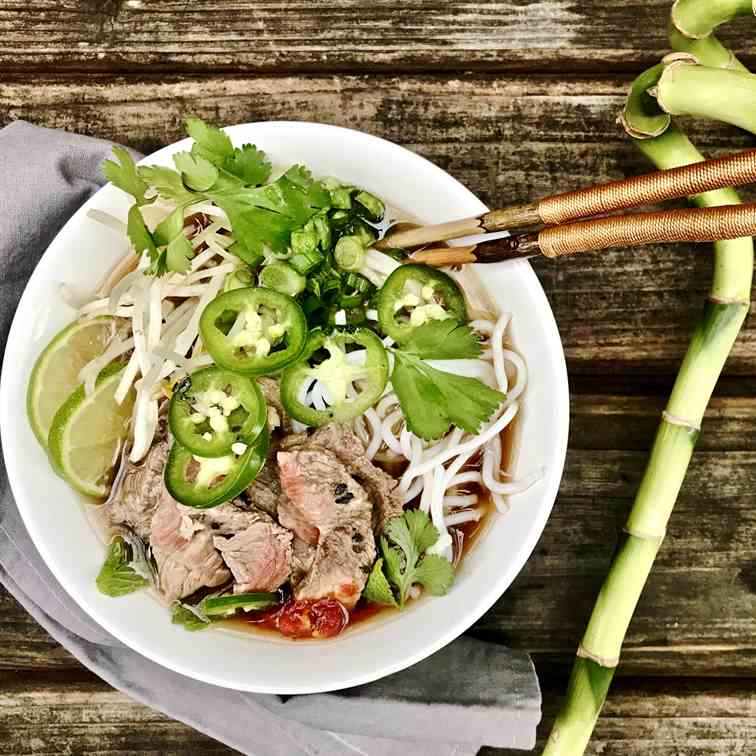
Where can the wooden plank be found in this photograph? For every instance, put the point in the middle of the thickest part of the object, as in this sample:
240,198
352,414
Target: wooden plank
341,35
54,715
508,139
51,715
696,615
663,718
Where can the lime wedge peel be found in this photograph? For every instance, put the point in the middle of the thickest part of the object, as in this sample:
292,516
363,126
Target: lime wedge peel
56,373
87,432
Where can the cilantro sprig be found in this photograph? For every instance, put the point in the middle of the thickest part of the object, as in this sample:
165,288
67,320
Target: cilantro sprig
261,215
433,400
405,562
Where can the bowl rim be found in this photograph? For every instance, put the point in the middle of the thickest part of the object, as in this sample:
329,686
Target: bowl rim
485,600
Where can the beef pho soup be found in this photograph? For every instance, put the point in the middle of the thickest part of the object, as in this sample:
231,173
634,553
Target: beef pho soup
277,423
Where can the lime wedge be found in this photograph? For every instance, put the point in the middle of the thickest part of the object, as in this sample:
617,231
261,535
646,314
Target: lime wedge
56,372
87,432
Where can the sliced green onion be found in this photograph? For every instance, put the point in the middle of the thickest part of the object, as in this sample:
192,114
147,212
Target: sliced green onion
304,240
356,282
349,253
365,235
304,262
372,204
341,197
241,278
281,276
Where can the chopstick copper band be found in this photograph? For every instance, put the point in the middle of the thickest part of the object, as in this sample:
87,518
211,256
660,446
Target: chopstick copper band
690,225
651,188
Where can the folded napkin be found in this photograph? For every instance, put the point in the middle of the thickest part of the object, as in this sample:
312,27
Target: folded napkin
467,695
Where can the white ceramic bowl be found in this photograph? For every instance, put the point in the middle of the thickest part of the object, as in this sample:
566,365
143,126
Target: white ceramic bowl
84,250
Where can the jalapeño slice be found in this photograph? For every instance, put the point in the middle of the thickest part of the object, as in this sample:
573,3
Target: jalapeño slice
253,331
351,370
214,409
415,294
205,482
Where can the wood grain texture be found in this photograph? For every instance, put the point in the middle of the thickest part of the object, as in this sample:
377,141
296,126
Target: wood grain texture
663,718
336,35
43,716
47,716
508,139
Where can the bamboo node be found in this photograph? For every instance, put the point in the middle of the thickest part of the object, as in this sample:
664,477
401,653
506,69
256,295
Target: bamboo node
676,23
608,662
728,300
681,421
645,536
631,131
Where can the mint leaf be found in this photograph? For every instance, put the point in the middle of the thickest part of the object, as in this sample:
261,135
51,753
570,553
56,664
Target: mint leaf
124,175
442,340
249,164
188,617
117,577
435,574
378,590
432,400
178,254
197,173
167,183
210,142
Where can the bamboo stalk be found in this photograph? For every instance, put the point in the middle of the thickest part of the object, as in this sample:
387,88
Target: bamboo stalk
723,315
696,19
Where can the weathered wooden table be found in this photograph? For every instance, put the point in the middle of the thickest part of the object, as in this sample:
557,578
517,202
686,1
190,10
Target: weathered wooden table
516,99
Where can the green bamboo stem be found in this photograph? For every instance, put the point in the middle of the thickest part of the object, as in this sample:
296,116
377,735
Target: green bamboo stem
724,312
713,93
691,27
697,19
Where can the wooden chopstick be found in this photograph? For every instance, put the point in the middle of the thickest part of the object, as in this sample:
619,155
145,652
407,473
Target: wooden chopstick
647,189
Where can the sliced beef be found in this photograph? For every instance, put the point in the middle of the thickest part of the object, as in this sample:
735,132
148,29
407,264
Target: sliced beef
265,490
138,490
185,555
341,440
228,518
319,494
328,509
259,557
302,557
341,566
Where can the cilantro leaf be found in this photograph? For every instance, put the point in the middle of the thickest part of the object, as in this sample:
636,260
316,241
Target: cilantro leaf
117,577
196,172
445,339
378,590
423,532
169,227
167,183
138,234
432,400
249,164
210,142
178,254
435,574
255,227
421,400
187,617
124,175
407,563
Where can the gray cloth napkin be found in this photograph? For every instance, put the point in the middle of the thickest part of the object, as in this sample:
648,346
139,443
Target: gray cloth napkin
468,694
